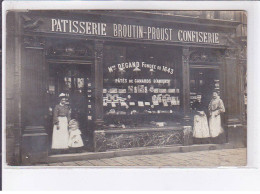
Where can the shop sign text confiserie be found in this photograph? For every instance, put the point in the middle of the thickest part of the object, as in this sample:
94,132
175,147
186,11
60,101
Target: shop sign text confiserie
133,31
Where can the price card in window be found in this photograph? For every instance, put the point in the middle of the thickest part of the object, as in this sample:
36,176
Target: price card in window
159,99
168,99
113,90
130,89
145,89
140,103
165,103
140,88
155,103
162,90
123,104
173,101
147,103
121,91
132,103
171,90
135,89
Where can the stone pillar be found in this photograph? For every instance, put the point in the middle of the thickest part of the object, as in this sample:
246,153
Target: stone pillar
242,58
98,89
234,100
242,64
34,81
186,85
242,61
232,87
17,89
34,142
187,129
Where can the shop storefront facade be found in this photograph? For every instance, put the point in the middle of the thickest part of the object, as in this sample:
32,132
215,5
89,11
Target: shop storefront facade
131,77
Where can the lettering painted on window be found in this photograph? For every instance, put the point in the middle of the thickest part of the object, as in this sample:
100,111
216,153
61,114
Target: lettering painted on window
138,66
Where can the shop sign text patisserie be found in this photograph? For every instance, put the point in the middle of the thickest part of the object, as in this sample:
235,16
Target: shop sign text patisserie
131,31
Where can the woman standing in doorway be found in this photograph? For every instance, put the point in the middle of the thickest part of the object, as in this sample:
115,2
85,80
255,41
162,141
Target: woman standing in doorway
61,117
200,127
216,107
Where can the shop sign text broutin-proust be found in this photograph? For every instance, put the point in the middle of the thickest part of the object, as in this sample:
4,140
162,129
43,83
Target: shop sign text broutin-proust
128,31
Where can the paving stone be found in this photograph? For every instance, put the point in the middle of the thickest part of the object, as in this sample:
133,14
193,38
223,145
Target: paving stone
124,161
98,163
84,163
69,164
111,162
207,158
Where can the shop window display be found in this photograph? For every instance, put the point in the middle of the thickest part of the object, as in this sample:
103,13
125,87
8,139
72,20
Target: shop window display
141,87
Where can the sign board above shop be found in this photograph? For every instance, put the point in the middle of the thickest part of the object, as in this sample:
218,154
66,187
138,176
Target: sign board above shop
130,31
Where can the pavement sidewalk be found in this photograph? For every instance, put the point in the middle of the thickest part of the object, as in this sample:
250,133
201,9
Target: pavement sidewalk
208,158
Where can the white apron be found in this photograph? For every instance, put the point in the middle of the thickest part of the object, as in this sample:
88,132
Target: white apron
75,140
60,137
215,127
201,129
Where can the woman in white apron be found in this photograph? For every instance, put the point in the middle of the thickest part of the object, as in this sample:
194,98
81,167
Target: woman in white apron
200,126
216,107
61,117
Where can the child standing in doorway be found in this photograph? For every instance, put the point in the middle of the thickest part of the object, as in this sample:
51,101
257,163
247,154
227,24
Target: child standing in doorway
75,140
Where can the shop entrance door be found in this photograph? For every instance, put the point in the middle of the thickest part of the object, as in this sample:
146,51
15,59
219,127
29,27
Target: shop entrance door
202,83
74,81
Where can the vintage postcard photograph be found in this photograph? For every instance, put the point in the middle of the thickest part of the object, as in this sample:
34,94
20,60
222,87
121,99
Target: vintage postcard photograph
121,88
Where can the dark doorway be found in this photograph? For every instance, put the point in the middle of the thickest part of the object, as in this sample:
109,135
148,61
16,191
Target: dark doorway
202,83
74,80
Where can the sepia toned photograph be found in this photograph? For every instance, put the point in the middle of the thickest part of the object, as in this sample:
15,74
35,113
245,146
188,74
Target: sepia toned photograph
121,88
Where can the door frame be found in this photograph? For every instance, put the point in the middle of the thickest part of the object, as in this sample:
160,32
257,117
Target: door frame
220,68
89,64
